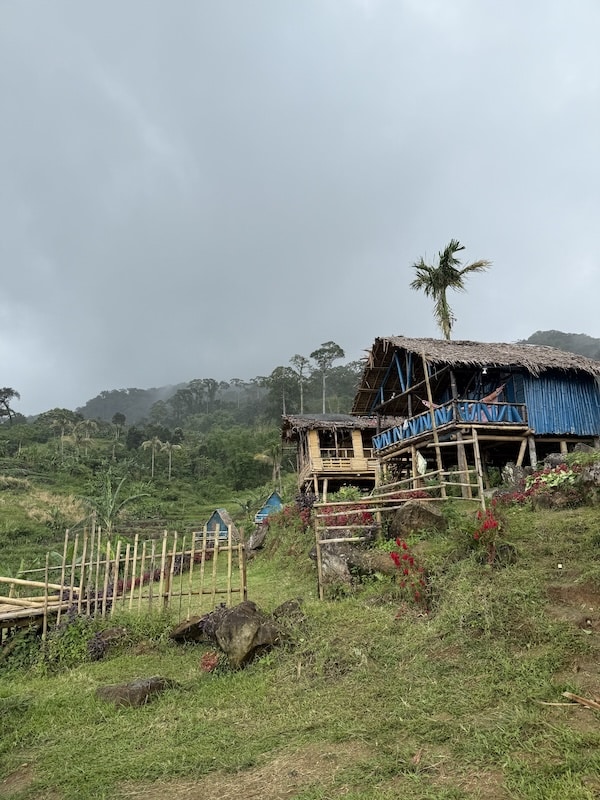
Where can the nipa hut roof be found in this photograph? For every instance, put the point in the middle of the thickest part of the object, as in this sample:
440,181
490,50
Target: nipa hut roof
292,424
535,359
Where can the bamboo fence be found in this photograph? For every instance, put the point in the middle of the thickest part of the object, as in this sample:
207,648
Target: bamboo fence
101,576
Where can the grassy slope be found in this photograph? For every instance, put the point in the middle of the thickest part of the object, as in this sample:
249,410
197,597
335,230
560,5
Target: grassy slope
364,705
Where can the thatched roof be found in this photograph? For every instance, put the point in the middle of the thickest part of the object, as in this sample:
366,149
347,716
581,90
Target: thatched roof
292,424
442,354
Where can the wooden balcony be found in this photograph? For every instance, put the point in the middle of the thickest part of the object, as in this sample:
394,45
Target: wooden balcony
471,413
341,465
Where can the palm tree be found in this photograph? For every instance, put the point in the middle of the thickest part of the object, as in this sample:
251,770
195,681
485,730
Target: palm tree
169,447
436,280
83,431
154,444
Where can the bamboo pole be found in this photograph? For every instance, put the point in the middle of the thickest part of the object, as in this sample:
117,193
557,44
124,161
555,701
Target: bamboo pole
133,569
73,565
181,570
115,577
168,589
82,571
106,576
243,573
203,564
478,469
214,569
438,454
521,455
97,580
190,574
45,619
126,574
63,567
319,564
142,565
460,447
152,572
163,562
38,584
229,563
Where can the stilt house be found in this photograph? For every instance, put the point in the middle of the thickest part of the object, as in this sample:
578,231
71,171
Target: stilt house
474,405
332,450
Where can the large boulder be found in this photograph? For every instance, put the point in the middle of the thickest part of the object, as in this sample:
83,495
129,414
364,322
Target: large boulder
241,632
415,516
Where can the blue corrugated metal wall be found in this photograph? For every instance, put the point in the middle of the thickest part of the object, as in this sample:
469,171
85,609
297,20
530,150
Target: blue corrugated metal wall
558,405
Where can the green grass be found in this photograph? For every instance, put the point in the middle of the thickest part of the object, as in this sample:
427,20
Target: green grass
360,705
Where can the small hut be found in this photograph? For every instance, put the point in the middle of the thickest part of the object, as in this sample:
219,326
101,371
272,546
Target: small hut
332,450
272,504
218,524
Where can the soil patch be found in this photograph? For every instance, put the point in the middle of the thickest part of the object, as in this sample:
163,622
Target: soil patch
279,779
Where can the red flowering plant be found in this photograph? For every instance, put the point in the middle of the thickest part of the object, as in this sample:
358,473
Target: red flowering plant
412,578
487,531
342,516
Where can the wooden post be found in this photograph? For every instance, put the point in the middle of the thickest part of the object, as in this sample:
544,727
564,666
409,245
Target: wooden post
563,447
478,468
115,578
142,567
532,452
436,440
319,556
106,576
460,447
133,570
97,581
63,568
126,574
229,563
73,565
45,620
190,575
203,564
168,589
521,455
82,571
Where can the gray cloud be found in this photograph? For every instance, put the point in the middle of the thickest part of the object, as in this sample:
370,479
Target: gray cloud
203,190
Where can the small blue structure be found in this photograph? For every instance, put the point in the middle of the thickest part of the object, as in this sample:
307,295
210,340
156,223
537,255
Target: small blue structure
218,524
272,504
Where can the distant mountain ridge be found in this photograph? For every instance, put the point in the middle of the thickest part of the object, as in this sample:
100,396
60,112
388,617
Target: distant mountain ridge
136,404
579,343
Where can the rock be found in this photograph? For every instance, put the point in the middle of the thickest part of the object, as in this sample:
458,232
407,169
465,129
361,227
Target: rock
289,613
256,540
136,693
244,631
199,629
513,477
554,460
415,516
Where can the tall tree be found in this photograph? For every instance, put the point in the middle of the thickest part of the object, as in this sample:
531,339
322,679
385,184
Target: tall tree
301,363
435,280
324,358
7,395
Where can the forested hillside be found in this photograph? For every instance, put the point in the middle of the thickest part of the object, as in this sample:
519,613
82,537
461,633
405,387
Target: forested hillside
578,343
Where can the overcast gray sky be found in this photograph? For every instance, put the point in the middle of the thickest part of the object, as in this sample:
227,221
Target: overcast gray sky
199,189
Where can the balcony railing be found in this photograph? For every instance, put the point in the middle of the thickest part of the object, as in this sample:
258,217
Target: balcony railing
451,414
